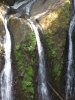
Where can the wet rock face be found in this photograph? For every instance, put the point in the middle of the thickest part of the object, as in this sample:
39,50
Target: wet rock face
18,29
3,10
2,33
17,26
1,29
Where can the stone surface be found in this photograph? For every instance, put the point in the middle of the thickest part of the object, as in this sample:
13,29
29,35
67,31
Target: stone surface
19,29
2,32
44,7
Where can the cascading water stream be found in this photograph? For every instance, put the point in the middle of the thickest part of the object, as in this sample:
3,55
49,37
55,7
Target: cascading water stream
23,7
6,74
43,93
70,69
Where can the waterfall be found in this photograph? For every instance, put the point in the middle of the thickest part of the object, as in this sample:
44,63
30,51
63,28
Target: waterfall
43,93
6,74
70,69
23,7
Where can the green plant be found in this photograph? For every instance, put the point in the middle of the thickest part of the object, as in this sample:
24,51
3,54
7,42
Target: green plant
25,53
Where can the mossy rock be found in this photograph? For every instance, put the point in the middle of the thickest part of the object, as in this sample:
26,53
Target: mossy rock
26,67
56,25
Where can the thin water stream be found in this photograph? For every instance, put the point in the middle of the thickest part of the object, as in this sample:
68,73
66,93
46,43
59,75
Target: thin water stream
6,74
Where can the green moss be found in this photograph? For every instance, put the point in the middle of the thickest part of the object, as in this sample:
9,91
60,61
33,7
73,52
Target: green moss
51,50
57,71
25,55
27,85
55,39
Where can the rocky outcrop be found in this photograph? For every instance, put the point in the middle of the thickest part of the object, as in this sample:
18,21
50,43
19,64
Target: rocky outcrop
55,24
18,28
2,32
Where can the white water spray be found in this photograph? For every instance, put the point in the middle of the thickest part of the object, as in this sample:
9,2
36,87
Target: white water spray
6,74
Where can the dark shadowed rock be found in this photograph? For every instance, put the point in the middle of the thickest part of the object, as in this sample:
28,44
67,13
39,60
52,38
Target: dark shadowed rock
9,2
11,11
